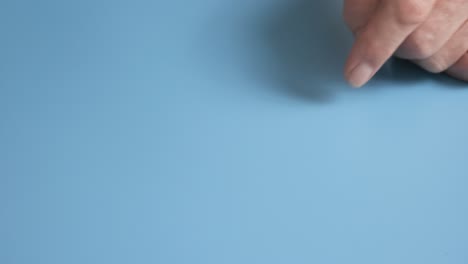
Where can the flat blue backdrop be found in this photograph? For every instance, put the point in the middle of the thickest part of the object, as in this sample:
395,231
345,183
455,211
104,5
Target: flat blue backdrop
217,131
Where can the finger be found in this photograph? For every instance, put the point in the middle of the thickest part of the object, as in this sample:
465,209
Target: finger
460,69
449,54
445,19
356,13
388,27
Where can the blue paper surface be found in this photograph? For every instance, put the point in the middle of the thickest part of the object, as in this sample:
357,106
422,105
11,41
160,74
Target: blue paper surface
218,131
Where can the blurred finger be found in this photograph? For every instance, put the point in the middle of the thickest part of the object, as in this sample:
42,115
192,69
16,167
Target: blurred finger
389,26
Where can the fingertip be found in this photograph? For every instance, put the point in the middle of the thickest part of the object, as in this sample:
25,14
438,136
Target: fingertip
360,75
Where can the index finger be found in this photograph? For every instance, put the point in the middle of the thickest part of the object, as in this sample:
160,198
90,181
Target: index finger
391,24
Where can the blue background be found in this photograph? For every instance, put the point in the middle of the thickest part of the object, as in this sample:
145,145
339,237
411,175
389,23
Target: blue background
218,131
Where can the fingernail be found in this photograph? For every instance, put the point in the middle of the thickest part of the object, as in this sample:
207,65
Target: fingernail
360,75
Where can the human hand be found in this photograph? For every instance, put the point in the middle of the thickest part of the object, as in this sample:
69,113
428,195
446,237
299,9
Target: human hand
431,33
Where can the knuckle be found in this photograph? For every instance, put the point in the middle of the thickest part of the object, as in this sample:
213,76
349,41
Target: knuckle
434,65
412,12
419,45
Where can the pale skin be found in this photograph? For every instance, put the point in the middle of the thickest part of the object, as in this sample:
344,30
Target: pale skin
431,33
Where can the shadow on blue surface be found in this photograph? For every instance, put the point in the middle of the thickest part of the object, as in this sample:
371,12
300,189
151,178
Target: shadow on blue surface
402,72
309,44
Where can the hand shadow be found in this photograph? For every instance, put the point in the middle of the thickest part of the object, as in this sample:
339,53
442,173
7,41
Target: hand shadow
402,72
308,43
